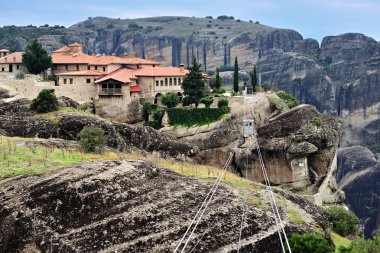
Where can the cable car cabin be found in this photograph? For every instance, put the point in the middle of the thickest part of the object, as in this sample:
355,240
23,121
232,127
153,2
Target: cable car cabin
248,127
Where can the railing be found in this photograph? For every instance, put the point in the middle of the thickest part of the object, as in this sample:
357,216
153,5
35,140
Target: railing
111,92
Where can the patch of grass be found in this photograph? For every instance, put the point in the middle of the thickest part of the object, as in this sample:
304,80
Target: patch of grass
295,218
339,240
54,117
19,157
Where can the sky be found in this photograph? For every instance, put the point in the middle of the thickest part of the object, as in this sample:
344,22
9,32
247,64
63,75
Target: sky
313,19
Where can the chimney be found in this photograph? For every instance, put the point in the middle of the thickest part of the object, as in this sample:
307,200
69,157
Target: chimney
125,55
114,54
14,58
149,55
6,59
134,55
182,66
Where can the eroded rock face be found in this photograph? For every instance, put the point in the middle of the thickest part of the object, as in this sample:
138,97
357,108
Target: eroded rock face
130,206
359,177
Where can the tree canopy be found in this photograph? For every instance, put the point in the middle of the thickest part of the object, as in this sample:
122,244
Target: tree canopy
254,78
218,79
236,75
170,100
36,59
46,101
193,84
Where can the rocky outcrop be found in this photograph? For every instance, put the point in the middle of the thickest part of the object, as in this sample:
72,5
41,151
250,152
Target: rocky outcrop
16,119
133,206
359,176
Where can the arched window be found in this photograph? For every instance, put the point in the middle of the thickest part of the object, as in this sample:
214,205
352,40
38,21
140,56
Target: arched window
157,83
175,81
170,81
162,83
179,81
166,82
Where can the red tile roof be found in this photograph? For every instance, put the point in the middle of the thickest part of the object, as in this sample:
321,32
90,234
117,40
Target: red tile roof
160,71
82,73
12,58
75,45
135,88
122,75
98,60
4,51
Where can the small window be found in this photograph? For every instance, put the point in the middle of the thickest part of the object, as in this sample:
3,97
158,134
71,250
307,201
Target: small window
96,67
179,81
162,83
18,66
157,83
88,80
175,81
2,69
170,82
88,67
104,69
78,67
66,67
166,82
65,81
71,81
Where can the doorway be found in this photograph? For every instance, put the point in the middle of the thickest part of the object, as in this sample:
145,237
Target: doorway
10,68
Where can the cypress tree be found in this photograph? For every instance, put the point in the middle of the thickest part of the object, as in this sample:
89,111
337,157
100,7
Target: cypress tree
236,75
36,59
218,79
193,85
254,79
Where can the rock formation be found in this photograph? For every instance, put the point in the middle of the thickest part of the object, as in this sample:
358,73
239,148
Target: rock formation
133,206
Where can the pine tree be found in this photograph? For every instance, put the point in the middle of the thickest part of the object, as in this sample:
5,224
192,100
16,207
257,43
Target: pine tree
218,79
36,59
193,85
236,75
254,79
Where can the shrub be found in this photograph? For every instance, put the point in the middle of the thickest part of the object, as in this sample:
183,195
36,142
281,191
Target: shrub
19,75
46,101
222,103
362,246
265,86
194,116
208,26
92,139
289,99
343,221
147,109
219,90
309,243
133,25
207,101
277,103
170,100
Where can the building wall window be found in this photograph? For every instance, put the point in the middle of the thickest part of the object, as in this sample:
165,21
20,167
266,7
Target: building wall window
77,67
2,69
166,82
170,82
66,67
162,83
175,81
111,88
88,80
104,69
18,66
88,67
179,81
71,81
96,67
157,83
65,81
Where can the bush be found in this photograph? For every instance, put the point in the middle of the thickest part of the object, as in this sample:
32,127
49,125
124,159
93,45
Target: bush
147,110
277,104
46,101
170,100
343,221
222,103
289,99
309,243
362,246
219,90
92,139
194,116
19,75
133,25
207,101
265,86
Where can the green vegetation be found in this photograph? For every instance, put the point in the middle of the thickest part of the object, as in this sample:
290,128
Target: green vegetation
193,85
46,101
218,79
339,241
156,112
277,103
254,78
219,90
224,17
309,243
170,100
36,59
289,99
318,121
207,101
236,76
20,75
25,156
194,116
266,86
92,139
343,221
54,116
362,245
295,218
223,103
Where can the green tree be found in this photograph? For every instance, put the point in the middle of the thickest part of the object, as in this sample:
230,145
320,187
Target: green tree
218,79
344,222
46,101
207,101
254,78
309,243
193,85
170,100
362,245
236,75
222,103
289,99
36,59
92,139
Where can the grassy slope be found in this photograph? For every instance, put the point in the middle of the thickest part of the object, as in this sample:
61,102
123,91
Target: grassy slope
54,116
